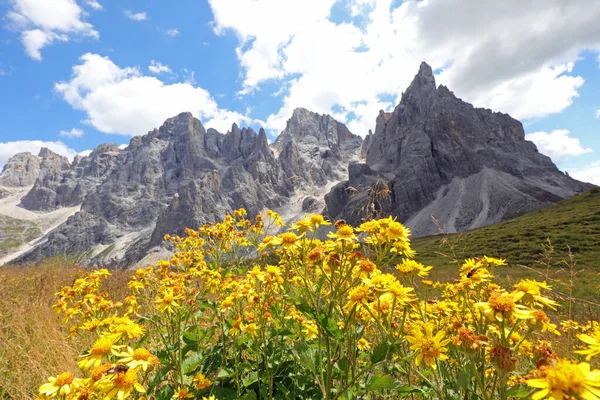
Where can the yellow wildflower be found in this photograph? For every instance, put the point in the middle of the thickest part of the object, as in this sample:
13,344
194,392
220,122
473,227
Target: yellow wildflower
363,344
428,347
61,385
567,380
138,357
593,342
201,382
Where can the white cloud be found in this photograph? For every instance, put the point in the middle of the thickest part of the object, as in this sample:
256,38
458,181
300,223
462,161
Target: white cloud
9,149
43,22
512,56
557,144
124,101
158,68
590,173
73,133
123,146
141,16
173,32
598,113
94,4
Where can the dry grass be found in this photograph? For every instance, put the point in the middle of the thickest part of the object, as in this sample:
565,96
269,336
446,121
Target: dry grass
33,342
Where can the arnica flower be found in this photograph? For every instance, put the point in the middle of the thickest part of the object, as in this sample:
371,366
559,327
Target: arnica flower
533,293
503,305
167,301
396,231
125,327
138,358
593,342
363,344
428,347
120,384
317,220
201,382
344,233
250,329
288,240
102,347
412,267
567,380
356,296
61,385
182,393
310,329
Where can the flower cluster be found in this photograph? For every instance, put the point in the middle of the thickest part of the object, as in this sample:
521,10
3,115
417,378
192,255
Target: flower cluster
250,309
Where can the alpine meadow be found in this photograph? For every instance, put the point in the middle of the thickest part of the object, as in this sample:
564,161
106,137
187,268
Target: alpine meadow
300,200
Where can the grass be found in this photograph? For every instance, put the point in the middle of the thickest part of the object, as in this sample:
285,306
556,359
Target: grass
537,245
34,344
15,232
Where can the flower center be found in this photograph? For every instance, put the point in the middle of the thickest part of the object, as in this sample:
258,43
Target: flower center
64,379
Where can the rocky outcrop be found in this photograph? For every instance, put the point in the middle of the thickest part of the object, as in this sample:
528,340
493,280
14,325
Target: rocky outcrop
22,169
364,149
315,149
63,185
442,157
181,175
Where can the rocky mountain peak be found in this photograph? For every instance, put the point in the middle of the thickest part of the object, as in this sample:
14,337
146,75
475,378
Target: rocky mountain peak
184,124
22,169
441,156
423,82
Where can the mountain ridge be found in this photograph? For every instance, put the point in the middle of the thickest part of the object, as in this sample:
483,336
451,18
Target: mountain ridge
438,155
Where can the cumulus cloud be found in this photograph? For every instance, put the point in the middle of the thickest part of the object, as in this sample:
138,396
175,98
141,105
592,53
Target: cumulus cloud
94,4
173,32
73,133
141,16
43,22
124,101
158,68
9,149
598,113
557,144
512,56
589,173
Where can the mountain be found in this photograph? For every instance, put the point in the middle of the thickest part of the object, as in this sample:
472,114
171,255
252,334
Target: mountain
180,175
440,156
435,155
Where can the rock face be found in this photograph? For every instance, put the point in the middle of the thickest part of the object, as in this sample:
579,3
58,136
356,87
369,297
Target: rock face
314,149
466,166
21,170
63,185
181,175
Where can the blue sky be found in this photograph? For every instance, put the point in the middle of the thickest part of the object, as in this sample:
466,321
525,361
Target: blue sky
77,73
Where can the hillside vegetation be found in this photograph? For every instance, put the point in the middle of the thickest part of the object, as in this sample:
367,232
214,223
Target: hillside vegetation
15,232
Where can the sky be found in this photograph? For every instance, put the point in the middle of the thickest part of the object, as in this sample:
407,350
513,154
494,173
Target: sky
78,73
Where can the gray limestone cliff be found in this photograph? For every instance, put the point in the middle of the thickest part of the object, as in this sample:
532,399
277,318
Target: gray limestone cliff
182,175
22,169
315,149
442,157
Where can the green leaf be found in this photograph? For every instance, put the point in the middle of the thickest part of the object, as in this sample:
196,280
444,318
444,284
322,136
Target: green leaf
380,352
519,392
380,382
248,396
224,373
343,364
191,363
224,393
250,379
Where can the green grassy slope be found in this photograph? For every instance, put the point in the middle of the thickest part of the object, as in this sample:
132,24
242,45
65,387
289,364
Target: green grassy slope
15,232
573,223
